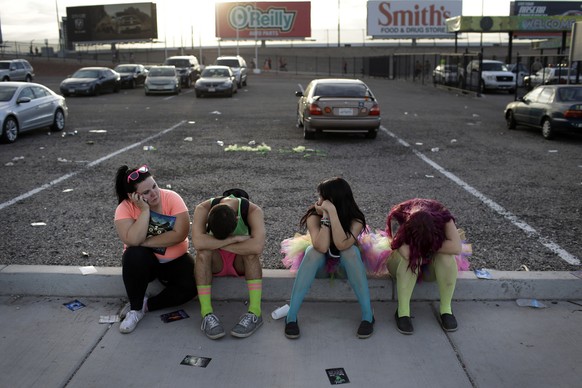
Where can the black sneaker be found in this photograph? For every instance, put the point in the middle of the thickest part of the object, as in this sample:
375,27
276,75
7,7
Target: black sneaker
292,330
448,322
404,324
366,329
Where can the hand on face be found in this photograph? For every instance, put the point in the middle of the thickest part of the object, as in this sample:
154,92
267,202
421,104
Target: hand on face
139,201
323,206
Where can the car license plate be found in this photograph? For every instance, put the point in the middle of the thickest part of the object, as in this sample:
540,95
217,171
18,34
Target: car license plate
345,112
211,89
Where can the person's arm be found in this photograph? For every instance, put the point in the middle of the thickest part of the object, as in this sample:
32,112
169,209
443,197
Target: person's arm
341,240
452,244
133,232
320,234
170,237
201,240
254,244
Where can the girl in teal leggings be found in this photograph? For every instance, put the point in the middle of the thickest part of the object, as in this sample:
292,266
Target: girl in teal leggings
425,244
333,222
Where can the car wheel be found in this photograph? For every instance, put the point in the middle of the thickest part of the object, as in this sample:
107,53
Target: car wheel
245,82
59,121
239,85
132,84
9,130
372,133
481,87
307,134
28,78
198,95
188,83
6,79
116,88
547,130
510,120
96,90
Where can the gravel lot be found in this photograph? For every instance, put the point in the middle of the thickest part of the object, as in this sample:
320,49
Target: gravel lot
516,194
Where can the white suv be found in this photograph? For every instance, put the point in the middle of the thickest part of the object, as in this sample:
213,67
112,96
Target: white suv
494,76
238,66
16,70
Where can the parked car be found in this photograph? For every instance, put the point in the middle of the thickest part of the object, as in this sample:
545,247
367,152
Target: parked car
187,67
91,81
216,80
338,105
445,74
520,71
131,75
238,66
550,76
27,105
549,107
16,70
162,79
495,76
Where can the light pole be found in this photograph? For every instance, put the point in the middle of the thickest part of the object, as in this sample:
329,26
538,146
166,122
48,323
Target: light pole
338,23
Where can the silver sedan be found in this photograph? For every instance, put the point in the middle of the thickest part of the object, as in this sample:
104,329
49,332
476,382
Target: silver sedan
25,106
338,105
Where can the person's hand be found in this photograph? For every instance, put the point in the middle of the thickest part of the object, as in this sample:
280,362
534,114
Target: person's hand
238,239
139,201
327,206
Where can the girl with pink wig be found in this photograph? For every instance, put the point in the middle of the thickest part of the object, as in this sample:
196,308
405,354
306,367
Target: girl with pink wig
424,242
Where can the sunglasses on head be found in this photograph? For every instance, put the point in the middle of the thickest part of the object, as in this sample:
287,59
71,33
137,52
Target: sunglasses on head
135,174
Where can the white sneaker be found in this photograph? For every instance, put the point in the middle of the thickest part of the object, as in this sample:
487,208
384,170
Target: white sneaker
130,322
127,307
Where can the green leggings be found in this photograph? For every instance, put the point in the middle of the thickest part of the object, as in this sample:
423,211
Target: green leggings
443,269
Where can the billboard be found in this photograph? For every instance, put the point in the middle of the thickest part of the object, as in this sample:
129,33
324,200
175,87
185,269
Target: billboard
532,24
112,23
411,19
544,8
263,20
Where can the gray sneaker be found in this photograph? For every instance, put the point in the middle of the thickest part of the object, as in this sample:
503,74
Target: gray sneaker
212,327
248,324
127,307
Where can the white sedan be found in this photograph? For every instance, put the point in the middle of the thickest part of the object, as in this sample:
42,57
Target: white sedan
25,106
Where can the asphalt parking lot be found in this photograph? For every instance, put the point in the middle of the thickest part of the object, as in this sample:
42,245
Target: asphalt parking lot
516,195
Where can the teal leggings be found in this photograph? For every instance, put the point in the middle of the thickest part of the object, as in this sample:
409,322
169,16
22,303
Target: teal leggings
313,265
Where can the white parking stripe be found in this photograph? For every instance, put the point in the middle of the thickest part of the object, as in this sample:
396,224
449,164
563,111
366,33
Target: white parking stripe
530,231
92,164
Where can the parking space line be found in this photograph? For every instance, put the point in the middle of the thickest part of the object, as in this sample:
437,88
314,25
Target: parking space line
89,165
529,231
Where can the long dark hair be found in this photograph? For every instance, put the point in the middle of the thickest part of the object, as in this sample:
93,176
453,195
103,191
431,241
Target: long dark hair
338,191
422,228
123,187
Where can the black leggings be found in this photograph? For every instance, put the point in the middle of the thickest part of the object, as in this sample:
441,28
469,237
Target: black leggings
140,267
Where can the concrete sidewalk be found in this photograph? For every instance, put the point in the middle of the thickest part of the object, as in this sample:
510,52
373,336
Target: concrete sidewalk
498,344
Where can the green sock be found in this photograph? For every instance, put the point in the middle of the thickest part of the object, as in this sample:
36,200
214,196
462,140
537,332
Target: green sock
446,277
204,296
255,293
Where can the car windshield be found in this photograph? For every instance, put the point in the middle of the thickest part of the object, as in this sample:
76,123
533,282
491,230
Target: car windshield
86,74
4,65
125,69
340,90
570,94
215,73
161,72
178,62
494,66
228,62
7,92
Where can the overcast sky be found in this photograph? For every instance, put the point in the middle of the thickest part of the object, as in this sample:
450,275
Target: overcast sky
186,20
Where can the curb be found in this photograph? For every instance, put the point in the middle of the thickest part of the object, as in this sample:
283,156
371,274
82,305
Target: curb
277,285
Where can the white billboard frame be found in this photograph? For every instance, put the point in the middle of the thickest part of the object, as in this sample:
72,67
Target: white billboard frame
411,19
